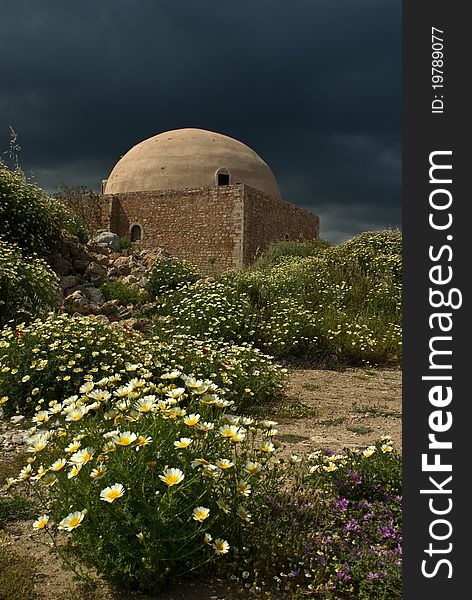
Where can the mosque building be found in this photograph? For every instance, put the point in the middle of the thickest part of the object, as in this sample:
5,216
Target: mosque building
201,196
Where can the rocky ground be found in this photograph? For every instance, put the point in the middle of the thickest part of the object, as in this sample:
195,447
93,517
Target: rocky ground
322,409
82,269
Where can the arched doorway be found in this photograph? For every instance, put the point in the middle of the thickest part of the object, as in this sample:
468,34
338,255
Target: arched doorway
136,233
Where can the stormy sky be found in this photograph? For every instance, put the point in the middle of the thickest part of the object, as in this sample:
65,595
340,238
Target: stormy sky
313,86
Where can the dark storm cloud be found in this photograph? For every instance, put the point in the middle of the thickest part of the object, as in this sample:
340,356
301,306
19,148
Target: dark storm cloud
313,86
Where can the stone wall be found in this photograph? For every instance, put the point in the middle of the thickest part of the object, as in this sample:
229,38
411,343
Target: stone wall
268,220
216,228
203,225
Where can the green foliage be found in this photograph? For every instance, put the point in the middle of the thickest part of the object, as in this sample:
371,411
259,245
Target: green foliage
16,508
48,359
332,304
74,226
148,490
362,546
288,249
244,374
26,216
28,286
369,474
333,533
208,311
169,273
125,242
125,293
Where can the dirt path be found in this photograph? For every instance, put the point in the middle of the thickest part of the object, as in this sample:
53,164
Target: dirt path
322,409
350,408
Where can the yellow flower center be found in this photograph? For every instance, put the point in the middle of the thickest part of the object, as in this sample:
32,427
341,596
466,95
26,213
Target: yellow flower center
124,441
172,479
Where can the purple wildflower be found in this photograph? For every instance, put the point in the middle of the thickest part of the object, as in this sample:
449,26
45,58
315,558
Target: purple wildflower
342,503
352,525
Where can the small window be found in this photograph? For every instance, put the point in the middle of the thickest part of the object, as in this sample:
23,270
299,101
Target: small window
286,237
223,179
136,233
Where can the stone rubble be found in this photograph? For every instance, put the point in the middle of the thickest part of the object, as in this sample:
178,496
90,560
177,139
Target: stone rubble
11,435
83,268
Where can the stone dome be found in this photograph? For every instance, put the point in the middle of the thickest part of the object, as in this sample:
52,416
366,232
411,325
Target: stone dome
189,158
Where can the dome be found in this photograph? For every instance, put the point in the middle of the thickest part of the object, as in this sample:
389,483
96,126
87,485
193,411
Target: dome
189,158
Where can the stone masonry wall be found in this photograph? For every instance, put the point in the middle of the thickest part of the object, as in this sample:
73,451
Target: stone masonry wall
217,228
202,225
268,220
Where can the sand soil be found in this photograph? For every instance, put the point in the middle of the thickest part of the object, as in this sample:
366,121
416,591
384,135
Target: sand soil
322,409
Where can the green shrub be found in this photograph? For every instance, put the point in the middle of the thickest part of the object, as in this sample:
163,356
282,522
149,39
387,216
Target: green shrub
277,252
371,474
125,293
207,311
28,217
244,374
149,491
125,242
169,273
372,244
360,549
48,359
342,305
28,286
331,534
74,226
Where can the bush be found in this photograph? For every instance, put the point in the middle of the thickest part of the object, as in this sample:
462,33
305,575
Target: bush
362,547
374,473
333,304
125,293
169,273
244,375
72,224
277,252
47,359
335,534
26,215
149,491
207,311
342,305
125,242
28,286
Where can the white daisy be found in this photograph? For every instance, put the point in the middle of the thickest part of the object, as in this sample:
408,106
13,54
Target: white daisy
200,513
72,520
110,494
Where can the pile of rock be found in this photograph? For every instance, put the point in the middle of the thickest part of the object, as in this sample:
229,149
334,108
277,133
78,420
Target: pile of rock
11,434
82,269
